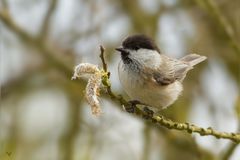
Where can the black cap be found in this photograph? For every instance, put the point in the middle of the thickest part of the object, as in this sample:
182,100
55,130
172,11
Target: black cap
139,41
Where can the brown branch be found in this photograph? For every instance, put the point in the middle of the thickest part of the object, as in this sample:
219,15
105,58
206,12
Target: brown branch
102,50
73,128
19,83
223,23
229,150
105,79
7,20
147,142
228,153
48,53
167,123
4,4
44,31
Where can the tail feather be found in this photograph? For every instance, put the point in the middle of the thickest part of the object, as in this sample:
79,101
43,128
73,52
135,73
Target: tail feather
193,59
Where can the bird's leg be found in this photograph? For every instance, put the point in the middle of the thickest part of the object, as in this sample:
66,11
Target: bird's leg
132,108
148,113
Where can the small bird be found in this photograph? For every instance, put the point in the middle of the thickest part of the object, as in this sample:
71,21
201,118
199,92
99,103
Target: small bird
148,76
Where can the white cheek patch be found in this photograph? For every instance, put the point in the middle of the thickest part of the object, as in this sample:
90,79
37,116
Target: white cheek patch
148,57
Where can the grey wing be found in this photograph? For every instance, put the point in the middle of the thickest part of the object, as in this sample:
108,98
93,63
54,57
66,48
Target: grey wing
170,70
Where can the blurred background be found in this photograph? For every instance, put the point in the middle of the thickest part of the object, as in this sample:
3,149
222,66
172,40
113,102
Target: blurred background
44,115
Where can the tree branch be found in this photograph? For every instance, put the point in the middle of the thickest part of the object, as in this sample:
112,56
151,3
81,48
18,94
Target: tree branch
147,142
162,121
18,83
46,21
228,153
4,4
225,26
48,53
106,82
102,50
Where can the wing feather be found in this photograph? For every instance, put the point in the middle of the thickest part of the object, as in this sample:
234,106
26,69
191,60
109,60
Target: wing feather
170,70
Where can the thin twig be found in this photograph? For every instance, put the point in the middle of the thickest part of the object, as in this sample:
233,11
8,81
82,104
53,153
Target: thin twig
147,142
102,50
229,150
5,4
227,155
223,23
46,52
46,21
167,123
106,77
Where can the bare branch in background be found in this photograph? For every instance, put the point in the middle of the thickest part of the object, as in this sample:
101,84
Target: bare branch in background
223,23
4,4
44,31
228,153
147,142
49,54
18,83
69,137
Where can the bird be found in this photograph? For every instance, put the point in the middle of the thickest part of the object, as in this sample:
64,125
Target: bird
150,77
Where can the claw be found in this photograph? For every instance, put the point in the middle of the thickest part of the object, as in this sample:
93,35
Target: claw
148,113
132,107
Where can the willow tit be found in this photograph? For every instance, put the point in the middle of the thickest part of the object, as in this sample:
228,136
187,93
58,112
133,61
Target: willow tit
150,77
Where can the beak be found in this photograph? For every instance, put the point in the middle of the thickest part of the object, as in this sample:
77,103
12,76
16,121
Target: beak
120,49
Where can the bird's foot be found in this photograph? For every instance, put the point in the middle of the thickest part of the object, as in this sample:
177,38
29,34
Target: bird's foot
148,113
131,108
